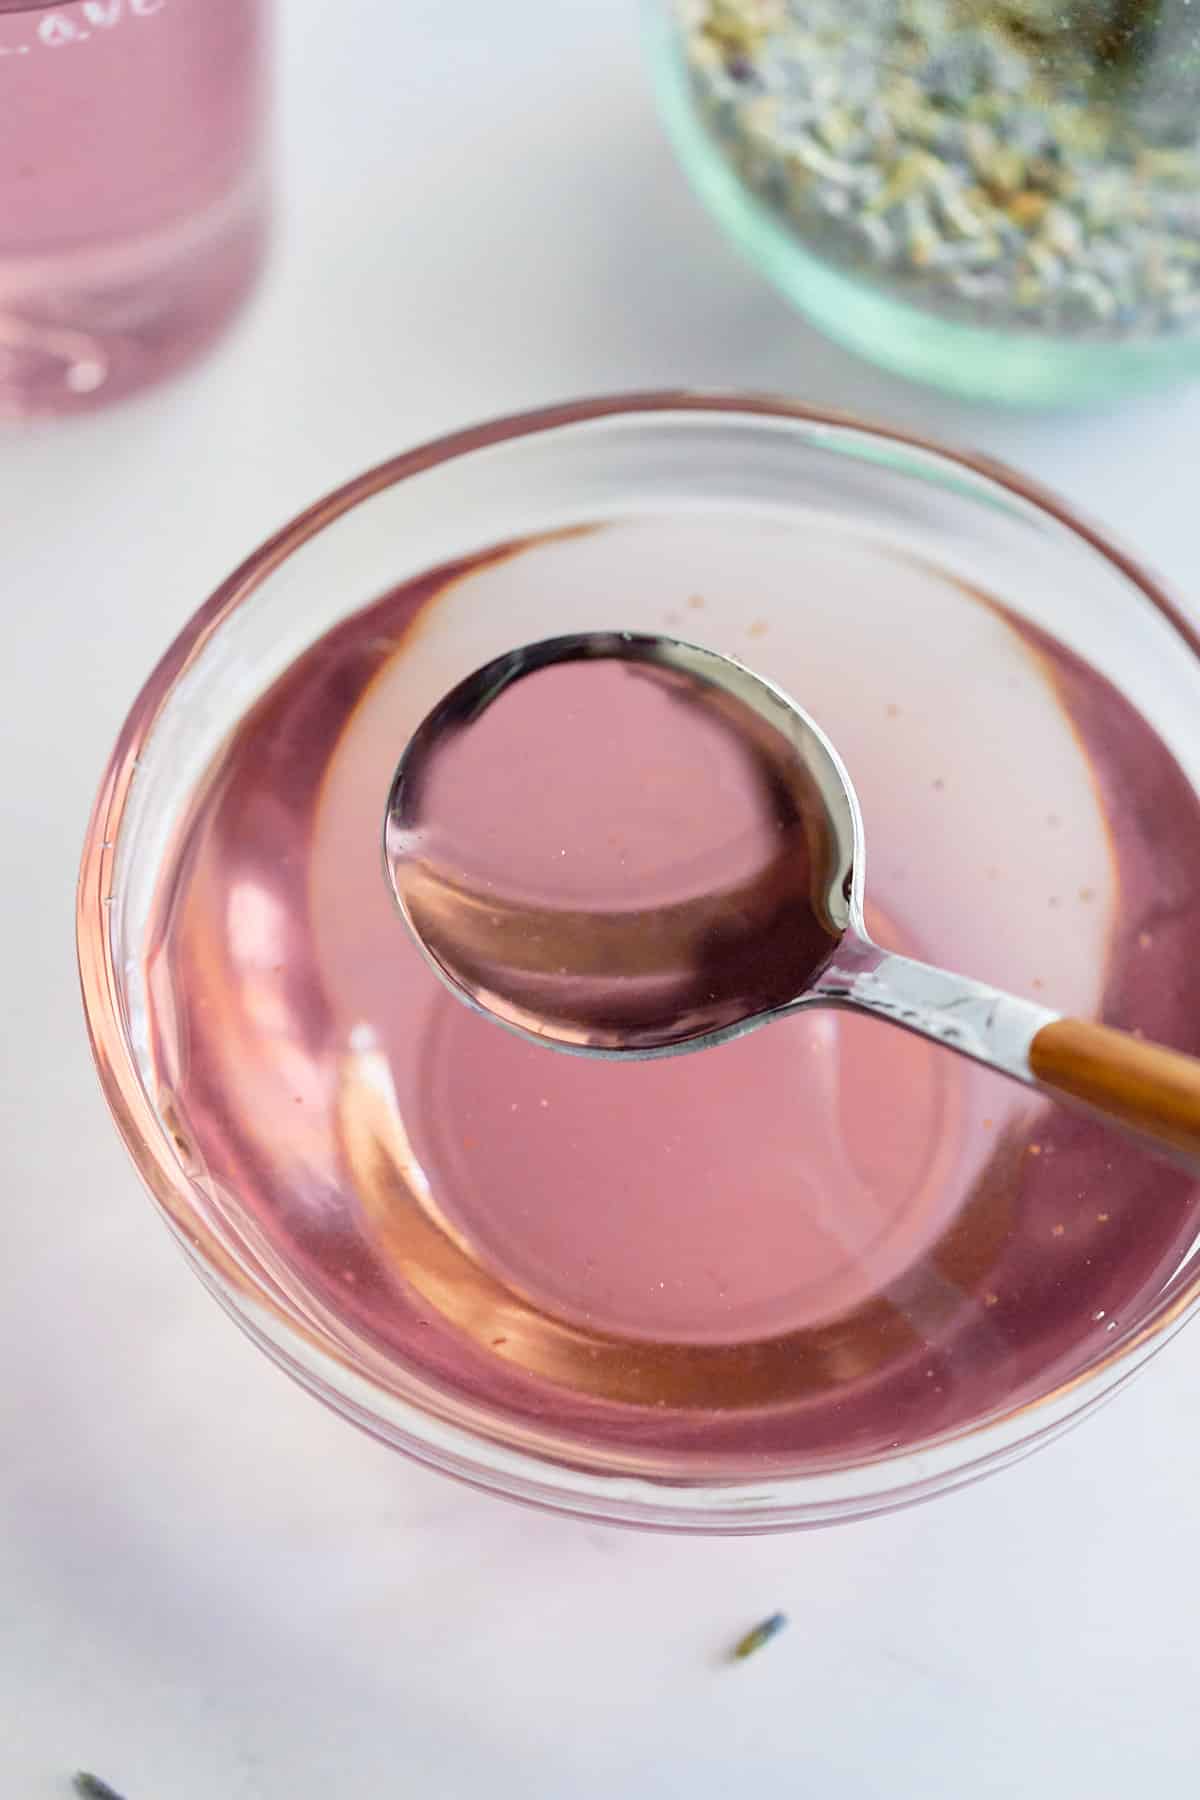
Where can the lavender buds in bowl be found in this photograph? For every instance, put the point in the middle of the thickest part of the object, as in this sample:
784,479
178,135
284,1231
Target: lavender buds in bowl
998,196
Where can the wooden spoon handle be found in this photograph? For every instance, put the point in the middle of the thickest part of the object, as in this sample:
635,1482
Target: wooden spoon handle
1151,1089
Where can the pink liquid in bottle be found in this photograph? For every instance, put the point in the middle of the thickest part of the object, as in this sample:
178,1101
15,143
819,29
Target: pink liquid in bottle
132,193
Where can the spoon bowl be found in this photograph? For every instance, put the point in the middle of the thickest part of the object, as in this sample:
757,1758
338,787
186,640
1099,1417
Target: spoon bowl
705,938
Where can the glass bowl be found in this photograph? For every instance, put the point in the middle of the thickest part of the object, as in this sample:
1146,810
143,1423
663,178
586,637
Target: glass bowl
608,1311
998,197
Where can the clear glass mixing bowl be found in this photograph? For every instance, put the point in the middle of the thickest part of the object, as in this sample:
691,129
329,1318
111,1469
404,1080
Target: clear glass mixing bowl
834,497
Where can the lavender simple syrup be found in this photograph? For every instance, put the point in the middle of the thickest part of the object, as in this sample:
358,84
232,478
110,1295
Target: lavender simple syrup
132,190
828,1238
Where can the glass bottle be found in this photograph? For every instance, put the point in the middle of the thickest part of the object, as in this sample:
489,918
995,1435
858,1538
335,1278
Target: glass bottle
132,190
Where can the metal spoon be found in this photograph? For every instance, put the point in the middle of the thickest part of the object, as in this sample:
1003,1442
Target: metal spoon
709,955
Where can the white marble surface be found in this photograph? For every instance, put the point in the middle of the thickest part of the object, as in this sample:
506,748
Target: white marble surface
210,1589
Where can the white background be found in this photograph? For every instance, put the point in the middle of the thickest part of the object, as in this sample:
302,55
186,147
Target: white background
209,1588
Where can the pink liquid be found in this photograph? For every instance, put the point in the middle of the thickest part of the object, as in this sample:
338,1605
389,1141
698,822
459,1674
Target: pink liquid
664,873
827,1238
132,203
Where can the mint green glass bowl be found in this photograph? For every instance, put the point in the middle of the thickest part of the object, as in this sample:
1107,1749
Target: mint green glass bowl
863,312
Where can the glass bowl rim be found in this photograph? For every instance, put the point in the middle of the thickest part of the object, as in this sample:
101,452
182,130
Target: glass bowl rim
840,1490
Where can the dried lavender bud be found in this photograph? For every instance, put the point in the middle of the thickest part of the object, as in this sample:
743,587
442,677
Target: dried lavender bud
761,1634
90,1787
